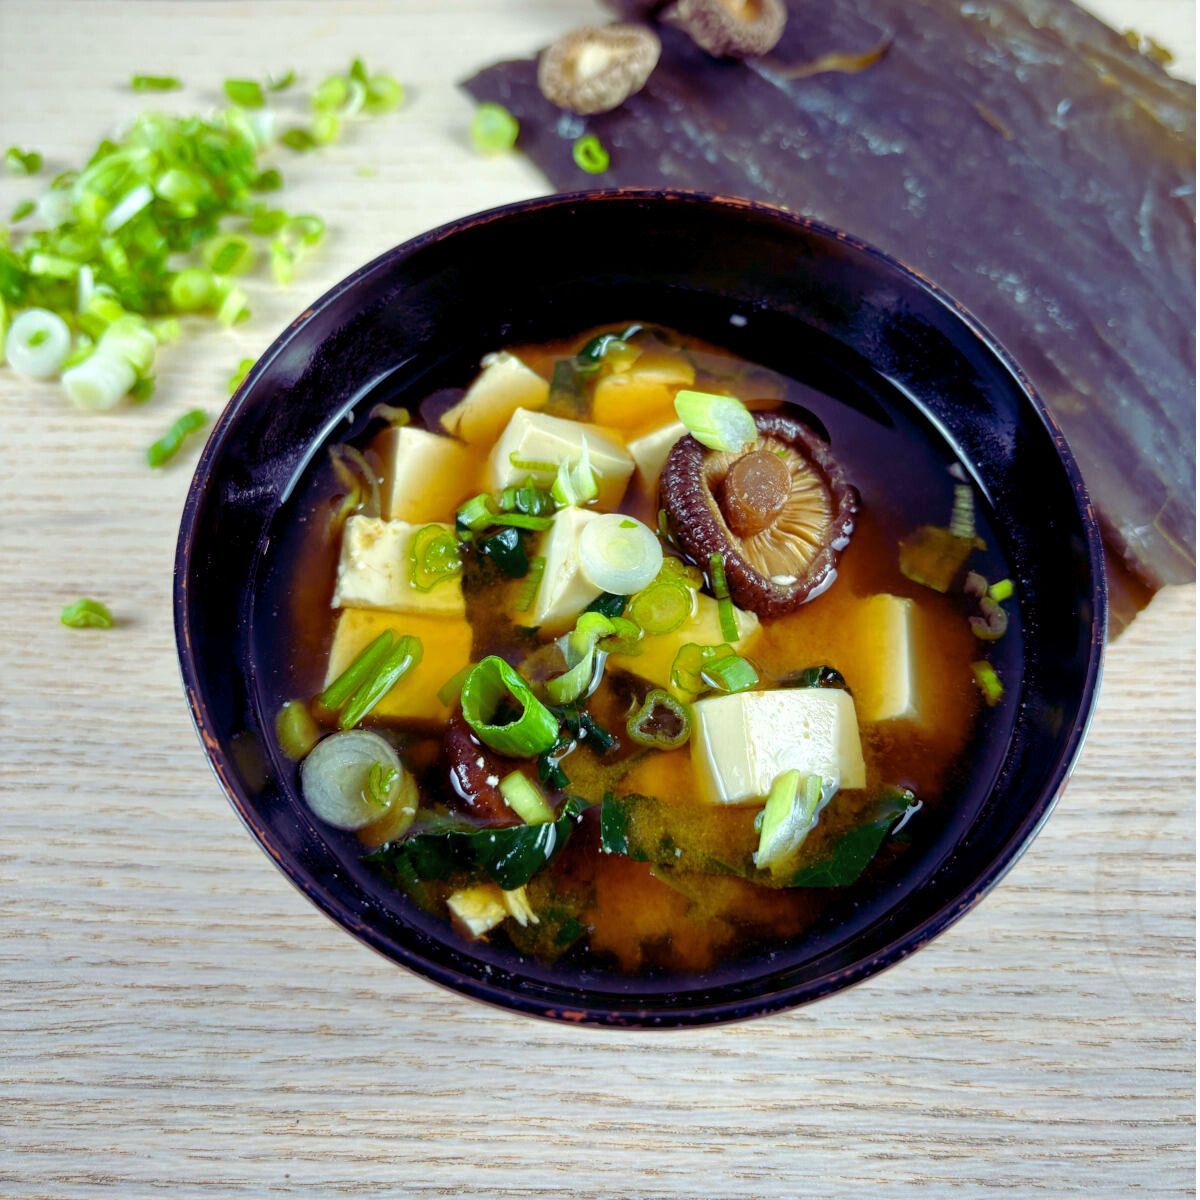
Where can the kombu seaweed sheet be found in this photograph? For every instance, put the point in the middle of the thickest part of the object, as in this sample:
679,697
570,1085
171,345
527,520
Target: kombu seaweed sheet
1019,152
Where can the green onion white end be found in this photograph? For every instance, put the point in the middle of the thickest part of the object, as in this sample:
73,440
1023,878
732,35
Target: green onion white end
618,554
718,422
336,779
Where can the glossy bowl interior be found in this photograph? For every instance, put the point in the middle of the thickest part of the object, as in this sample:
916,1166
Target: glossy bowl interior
420,317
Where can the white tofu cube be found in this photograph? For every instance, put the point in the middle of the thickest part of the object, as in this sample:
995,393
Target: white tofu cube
537,437
564,592
885,682
504,385
375,571
650,452
741,743
480,909
427,475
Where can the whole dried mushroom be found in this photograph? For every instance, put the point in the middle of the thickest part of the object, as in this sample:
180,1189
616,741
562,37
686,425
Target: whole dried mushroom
730,28
597,68
779,512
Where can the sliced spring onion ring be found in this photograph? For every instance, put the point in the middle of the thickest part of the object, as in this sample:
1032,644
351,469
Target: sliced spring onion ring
662,722
98,382
342,779
494,130
575,482
590,155
579,649
87,614
161,452
491,688
729,673
295,730
478,513
403,657
790,815
523,797
365,666
618,554
1001,590
37,343
434,555
662,607
718,422
988,682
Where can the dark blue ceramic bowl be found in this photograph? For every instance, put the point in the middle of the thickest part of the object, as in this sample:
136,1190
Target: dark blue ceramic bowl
420,317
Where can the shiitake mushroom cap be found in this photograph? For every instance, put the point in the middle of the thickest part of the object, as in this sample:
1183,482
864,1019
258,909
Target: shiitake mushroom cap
729,28
598,67
793,559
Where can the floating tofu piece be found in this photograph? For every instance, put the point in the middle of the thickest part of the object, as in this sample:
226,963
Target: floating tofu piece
504,385
427,475
643,396
885,680
741,743
537,437
445,650
375,571
564,592
650,452
658,652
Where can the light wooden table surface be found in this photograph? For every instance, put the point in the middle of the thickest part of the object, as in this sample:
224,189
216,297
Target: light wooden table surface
176,1020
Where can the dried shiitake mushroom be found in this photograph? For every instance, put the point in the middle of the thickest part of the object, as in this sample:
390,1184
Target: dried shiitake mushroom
779,512
597,68
729,28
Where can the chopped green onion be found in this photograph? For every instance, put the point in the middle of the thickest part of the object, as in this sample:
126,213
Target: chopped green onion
365,665
403,657
988,681
234,304
521,521
664,525
478,513
192,288
434,554
99,381
725,609
22,162
1002,590
730,673
662,722
295,730
22,210
37,343
155,83
384,94
962,517
229,254
790,815
298,139
575,482
161,452
597,349
718,422
87,614
243,369
269,180
523,797
619,555
533,581
281,84
507,551
326,128
344,777
590,155
491,693
580,653
494,130
528,498
245,93
142,390
662,607
525,464
690,662
449,692
381,780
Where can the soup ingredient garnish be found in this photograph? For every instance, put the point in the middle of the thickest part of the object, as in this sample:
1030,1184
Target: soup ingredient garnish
523,797
792,558
343,777
494,130
243,369
87,614
597,68
988,682
729,28
664,605
295,730
509,857
575,481
718,422
435,558
698,669
1001,590
401,658
791,812
662,722
22,162
533,581
155,83
160,453
503,712
725,612
37,343
590,154
618,554
579,649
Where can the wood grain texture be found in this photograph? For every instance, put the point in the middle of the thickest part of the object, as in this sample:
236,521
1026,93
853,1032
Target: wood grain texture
176,1020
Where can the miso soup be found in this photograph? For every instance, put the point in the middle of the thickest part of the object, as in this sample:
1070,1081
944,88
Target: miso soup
630,655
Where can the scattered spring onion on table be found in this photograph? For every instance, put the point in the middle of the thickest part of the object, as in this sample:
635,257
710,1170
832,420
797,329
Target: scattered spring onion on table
494,130
87,614
161,452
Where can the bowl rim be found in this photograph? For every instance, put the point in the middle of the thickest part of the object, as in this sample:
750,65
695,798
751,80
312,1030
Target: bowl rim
696,1012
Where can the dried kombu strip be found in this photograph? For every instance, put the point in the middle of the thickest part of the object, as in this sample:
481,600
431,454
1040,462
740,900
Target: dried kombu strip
1019,152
